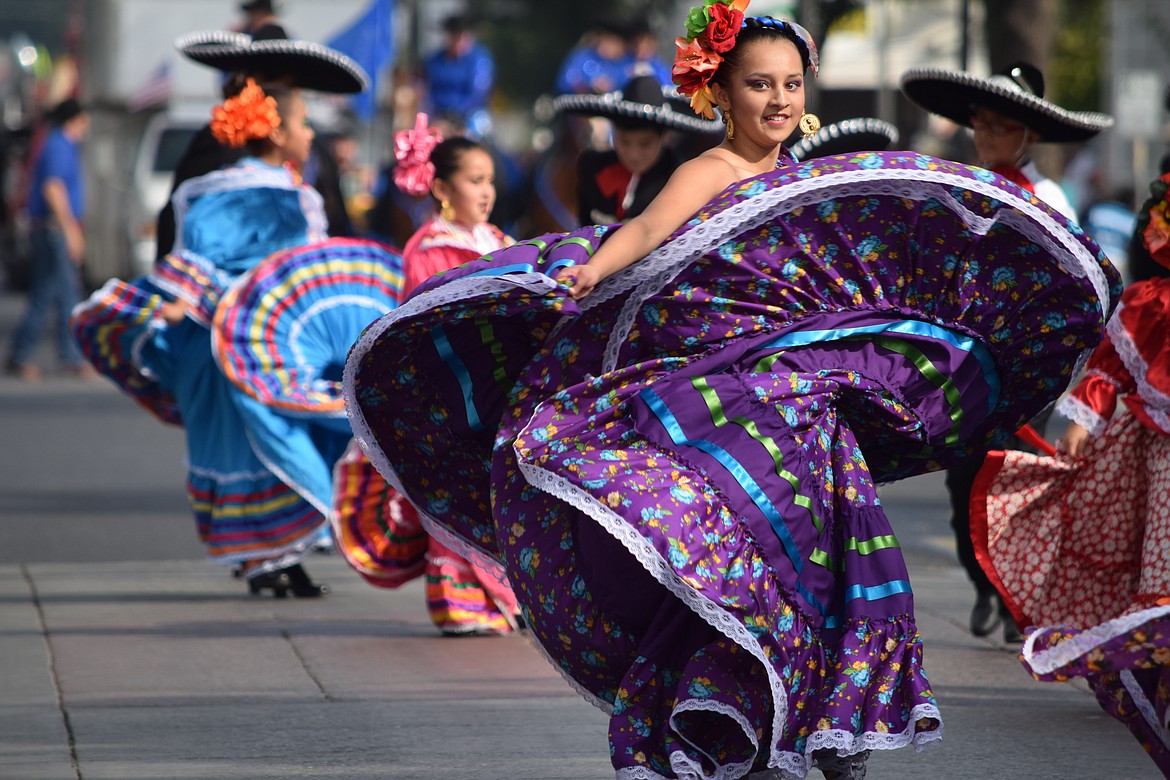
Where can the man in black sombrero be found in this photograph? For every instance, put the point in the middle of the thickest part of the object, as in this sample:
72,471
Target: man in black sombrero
275,59
617,184
1008,114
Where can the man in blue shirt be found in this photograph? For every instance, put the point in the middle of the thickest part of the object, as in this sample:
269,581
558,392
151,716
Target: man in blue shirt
459,78
56,207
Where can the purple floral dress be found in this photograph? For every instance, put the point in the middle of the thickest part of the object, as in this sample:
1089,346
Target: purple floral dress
677,474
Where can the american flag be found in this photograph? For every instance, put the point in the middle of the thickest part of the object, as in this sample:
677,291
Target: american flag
155,88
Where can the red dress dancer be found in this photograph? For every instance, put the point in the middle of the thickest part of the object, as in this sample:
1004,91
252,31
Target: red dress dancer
1078,544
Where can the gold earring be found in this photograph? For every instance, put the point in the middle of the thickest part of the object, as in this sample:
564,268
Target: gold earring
809,124
727,120
446,212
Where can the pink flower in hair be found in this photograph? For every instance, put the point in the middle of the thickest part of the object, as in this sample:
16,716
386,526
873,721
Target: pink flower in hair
412,149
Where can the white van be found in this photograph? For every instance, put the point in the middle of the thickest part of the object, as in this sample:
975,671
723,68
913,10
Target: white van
162,146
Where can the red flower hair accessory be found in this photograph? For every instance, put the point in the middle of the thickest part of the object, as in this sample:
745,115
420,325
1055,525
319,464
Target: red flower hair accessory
711,31
1156,218
249,116
412,149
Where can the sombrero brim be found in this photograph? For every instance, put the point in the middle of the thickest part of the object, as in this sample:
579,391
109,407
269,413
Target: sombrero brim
612,105
952,94
864,134
310,65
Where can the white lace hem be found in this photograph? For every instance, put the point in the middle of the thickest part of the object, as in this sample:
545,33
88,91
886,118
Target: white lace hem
1048,661
1157,403
1082,414
1145,706
653,563
686,767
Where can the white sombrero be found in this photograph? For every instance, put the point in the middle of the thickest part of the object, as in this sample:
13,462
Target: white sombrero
1017,92
310,65
864,134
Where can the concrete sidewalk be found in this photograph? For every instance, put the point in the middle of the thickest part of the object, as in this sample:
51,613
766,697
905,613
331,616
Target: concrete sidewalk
166,669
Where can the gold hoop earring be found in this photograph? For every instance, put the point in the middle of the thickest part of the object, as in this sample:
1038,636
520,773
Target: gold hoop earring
446,212
727,120
809,124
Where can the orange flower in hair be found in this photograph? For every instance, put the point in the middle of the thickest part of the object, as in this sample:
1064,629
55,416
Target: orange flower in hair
249,116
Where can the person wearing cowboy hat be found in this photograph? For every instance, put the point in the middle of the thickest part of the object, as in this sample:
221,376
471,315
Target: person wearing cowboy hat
303,64
1009,115
617,184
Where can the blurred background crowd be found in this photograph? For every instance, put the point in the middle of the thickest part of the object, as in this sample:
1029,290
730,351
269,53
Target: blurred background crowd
491,68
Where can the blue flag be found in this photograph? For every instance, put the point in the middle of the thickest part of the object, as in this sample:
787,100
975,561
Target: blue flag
369,41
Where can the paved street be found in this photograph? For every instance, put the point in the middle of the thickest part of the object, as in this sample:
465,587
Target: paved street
124,654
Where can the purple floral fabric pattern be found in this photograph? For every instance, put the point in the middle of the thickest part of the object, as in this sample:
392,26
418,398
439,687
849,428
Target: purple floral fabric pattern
677,474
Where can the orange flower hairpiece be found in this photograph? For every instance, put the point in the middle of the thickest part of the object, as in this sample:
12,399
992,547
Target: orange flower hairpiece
249,116
711,31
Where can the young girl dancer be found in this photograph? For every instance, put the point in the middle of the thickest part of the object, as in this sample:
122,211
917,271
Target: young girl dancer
679,439
462,598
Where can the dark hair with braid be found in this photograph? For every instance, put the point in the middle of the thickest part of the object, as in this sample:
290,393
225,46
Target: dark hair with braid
448,154
756,28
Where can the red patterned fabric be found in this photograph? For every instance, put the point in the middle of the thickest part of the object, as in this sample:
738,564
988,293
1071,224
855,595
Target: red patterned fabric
1077,543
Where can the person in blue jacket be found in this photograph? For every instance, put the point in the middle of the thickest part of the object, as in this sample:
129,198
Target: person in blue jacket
459,77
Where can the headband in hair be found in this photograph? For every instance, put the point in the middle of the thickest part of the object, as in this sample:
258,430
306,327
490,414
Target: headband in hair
249,116
415,172
804,40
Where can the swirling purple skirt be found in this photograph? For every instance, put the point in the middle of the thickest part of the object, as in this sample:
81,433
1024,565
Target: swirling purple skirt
677,475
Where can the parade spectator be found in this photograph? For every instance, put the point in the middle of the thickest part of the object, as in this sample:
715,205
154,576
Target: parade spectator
599,63
617,184
1009,115
459,77
643,53
56,210
1110,221
260,21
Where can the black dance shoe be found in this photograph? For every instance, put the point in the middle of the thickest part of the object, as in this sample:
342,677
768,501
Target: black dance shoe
280,582
985,618
1011,632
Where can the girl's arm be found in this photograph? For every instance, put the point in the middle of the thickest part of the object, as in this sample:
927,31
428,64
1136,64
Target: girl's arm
693,184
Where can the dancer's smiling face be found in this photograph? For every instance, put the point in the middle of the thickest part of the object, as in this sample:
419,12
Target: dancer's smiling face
471,189
765,91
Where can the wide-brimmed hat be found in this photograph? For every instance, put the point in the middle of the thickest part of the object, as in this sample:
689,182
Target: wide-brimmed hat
310,65
864,134
1017,92
643,100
